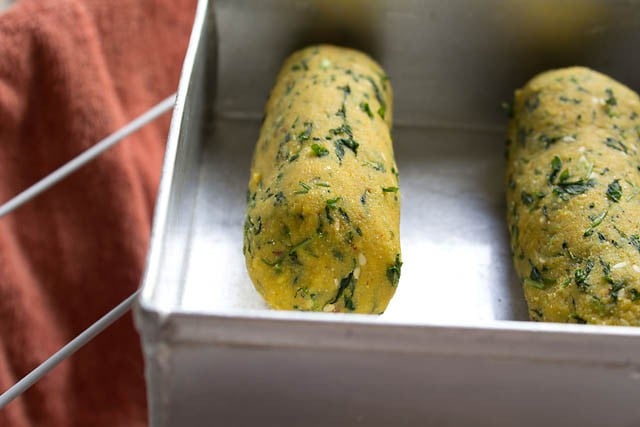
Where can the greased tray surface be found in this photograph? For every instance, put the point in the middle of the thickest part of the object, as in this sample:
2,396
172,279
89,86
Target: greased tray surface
451,64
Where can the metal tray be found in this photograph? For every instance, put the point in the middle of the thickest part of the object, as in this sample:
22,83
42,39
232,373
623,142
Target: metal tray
454,347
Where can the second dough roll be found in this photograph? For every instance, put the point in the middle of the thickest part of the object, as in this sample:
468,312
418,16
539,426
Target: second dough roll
573,197
322,225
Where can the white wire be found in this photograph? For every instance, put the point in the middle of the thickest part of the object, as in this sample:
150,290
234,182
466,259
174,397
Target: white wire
42,185
87,156
87,335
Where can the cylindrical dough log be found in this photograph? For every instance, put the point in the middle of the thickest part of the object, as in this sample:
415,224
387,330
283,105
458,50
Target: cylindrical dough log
573,197
322,225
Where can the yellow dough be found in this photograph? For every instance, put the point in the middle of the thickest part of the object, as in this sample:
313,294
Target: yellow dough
573,197
322,225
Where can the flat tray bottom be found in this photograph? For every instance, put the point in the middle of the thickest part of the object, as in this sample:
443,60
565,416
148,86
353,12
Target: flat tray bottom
454,236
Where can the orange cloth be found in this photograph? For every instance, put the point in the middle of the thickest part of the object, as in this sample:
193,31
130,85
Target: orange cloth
71,72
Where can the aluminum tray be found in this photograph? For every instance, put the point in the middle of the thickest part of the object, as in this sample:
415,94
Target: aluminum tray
454,347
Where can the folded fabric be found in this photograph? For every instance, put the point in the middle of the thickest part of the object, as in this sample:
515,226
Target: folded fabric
71,72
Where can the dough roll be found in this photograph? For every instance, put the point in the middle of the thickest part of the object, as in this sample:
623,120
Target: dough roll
322,225
573,197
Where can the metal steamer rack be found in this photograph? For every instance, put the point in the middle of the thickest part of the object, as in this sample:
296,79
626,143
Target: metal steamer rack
454,347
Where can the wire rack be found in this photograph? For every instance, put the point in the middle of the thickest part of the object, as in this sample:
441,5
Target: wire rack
44,184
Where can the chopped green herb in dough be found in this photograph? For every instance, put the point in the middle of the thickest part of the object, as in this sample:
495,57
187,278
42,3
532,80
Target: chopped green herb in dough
614,191
319,150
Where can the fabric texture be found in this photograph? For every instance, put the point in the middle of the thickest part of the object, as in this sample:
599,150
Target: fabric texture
72,72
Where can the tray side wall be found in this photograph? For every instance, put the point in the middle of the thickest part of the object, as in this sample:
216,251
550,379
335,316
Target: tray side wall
382,376
451,62
163,281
